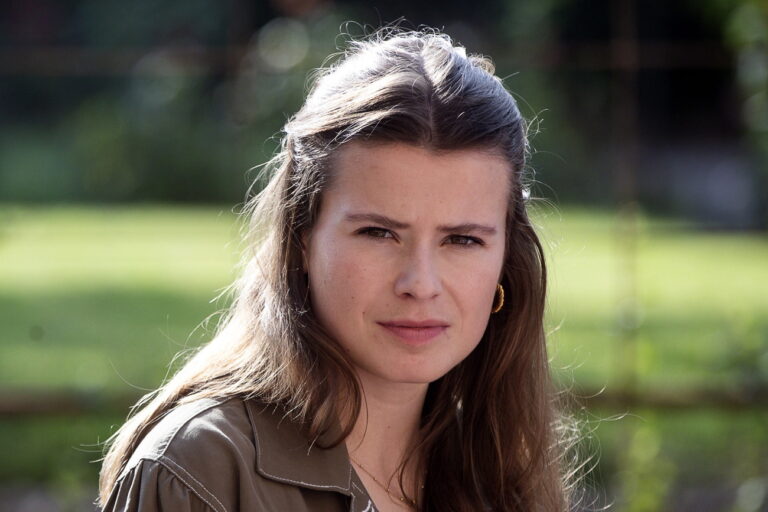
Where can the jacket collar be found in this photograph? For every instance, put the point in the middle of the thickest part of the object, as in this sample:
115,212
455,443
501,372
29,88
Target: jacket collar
283,454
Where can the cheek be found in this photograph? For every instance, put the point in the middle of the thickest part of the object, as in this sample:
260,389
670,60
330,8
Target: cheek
477,295
338,285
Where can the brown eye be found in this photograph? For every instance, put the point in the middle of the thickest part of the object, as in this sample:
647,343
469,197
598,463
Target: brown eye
467,241
375,232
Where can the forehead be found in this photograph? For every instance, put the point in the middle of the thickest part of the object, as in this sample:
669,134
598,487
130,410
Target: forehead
403,180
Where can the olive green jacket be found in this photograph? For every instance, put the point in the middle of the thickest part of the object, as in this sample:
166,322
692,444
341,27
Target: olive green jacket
235,455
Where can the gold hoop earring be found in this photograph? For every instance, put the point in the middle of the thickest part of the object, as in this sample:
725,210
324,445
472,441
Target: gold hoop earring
497,306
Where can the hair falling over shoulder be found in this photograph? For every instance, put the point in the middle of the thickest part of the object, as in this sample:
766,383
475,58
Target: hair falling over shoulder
492,437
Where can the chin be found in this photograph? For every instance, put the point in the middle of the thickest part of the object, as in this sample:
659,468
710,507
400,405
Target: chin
418,376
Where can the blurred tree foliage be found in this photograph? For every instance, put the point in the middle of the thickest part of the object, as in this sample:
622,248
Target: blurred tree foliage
211,83
744,27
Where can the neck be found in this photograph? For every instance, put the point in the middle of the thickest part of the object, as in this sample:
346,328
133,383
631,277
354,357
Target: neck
386,430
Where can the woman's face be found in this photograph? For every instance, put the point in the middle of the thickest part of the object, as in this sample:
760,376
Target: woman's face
405,255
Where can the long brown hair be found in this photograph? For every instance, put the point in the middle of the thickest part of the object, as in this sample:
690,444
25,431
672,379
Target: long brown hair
489,436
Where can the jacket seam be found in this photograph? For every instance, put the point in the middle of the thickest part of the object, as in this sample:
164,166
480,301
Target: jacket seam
167,463
370,507
184,423
283,479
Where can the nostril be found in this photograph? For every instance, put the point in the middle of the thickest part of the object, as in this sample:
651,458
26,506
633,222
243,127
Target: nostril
419,277
418,285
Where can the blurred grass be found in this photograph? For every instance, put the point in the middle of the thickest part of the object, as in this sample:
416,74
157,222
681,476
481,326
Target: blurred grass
100,299
95,298
700,299
89,294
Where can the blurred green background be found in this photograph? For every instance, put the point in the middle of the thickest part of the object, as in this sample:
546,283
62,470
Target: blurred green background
128,133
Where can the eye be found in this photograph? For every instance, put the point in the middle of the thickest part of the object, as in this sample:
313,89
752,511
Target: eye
463,240
375,232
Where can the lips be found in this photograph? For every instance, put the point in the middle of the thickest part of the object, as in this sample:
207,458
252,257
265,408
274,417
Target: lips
415,332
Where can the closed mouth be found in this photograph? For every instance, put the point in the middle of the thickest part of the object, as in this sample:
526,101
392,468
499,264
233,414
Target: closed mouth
415,335
415,324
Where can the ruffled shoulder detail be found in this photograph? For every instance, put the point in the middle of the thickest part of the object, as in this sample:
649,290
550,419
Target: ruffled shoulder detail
152,485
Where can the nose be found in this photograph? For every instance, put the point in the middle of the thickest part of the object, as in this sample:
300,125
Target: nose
419,276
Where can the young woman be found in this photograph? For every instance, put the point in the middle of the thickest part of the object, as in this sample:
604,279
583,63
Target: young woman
385,348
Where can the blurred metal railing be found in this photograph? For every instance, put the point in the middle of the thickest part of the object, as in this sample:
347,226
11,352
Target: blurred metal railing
18,404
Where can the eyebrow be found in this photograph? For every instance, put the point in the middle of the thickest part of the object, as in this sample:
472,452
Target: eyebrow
389,223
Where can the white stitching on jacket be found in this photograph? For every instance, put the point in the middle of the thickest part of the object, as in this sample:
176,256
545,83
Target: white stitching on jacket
166,459
196,412
369,507
190,487
282,479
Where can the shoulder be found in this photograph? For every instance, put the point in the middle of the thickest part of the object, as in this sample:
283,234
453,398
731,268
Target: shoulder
233,454
192,433
191,459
